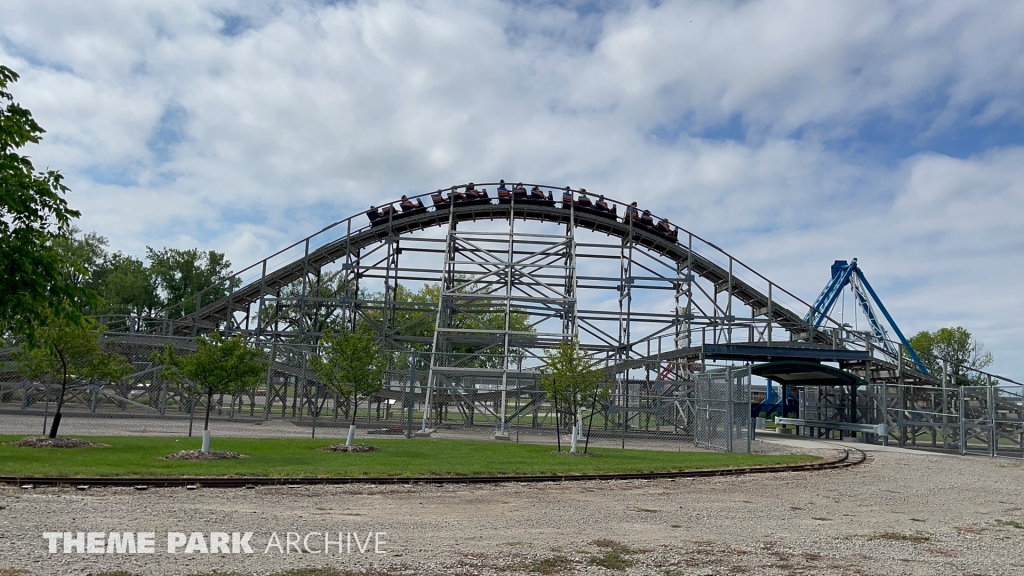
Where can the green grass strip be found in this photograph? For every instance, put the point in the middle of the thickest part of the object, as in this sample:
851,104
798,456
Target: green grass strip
129,456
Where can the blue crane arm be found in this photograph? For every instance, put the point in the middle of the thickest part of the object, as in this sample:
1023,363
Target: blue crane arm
841,273
879,331
888,318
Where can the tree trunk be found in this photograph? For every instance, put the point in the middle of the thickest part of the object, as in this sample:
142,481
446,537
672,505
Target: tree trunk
56,418
577,428
209,402
558,424
206,424
352,425
60,404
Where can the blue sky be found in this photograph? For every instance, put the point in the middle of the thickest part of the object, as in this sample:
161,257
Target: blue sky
789,133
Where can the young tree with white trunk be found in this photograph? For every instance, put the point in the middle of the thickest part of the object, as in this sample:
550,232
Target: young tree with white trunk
218,366
571,379
71,356
350,364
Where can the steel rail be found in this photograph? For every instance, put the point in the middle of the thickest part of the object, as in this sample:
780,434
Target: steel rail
844,461
476,210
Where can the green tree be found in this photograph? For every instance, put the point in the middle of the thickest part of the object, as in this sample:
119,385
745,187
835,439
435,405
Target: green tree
33,215
182,274
350,364
417,319
128,287
571,378
218,366
86,264
314,313
954,348
69,354
85,255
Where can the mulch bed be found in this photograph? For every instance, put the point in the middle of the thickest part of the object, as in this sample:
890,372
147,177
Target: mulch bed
352,448
200,455
55,443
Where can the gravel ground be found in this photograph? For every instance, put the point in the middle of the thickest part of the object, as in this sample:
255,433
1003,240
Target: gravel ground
900,512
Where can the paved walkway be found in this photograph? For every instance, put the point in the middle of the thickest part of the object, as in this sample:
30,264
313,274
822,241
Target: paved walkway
804,442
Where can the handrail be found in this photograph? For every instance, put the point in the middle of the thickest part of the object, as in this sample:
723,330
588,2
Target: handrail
353,230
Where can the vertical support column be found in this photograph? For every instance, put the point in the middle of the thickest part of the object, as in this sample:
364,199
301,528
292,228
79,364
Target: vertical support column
683,312
1020,412
625,318
853,405
195,316
303,325
684,337
902,396
884,395
945,405
963,424
389,313
261,306
751,420
506,336
730,411
349,282
993,432
410,401
439,347
229,317
689,284
569,322
729,318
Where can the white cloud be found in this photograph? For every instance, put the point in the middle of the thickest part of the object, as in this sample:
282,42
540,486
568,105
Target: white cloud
312,112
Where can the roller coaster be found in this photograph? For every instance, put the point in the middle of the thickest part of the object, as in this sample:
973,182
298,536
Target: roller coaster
510,276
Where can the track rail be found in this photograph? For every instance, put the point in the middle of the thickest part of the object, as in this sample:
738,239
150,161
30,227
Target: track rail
851,457
491,209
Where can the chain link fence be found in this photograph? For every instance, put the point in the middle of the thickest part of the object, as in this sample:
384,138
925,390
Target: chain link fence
652,405
646,407
992,421
984,420
722,419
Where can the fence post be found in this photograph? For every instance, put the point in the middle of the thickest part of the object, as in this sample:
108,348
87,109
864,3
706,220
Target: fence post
945,406
191,408
751,422
46,410
316,407
624,413
963,423
409,402
902,400
993,433
728,401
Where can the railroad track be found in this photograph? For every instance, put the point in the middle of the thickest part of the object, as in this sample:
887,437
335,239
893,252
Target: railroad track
850,457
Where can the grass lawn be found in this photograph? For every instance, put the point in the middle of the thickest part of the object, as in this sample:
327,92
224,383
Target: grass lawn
143,456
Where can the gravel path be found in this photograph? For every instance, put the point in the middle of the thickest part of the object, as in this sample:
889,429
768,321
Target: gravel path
900,512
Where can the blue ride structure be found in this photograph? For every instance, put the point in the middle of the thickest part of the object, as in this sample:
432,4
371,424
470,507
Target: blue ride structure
849,274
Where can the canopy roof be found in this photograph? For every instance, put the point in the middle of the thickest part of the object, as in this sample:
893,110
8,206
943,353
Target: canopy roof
802,373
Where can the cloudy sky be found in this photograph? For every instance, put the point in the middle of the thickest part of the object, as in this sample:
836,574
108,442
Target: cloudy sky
790,133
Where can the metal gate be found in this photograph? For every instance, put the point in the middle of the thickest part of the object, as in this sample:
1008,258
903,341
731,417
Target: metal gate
1008,421
722,409
977,430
